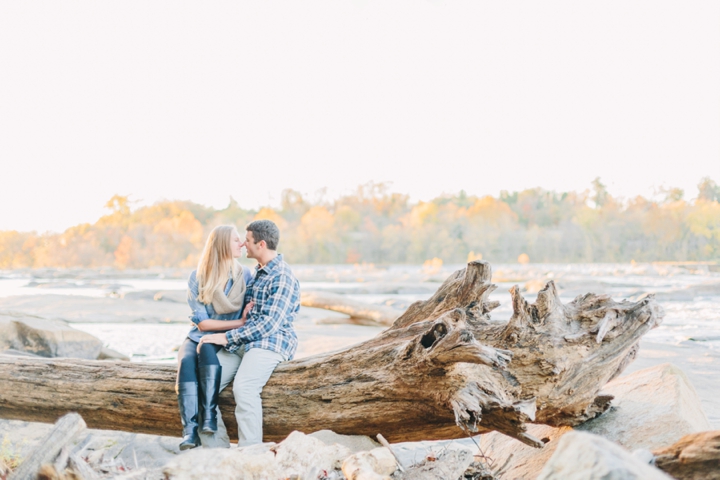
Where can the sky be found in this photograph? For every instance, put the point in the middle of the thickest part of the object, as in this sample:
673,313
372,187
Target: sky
206,100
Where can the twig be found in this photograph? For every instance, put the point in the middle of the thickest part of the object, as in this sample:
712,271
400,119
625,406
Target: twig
500,470
490,461
386,444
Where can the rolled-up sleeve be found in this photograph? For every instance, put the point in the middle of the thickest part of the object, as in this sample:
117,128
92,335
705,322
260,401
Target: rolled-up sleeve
199,312
269,319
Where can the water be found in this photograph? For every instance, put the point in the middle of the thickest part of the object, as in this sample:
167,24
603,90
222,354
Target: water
689,293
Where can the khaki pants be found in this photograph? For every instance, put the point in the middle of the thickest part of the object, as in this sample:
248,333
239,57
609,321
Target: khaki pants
251,371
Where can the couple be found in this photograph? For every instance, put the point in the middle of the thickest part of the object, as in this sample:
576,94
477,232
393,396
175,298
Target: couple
250,315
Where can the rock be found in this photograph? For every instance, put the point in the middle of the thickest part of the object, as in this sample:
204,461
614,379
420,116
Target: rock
298,455
377,464
110,354
584,456
173,296
46,338
409,454
150,451
693,457
79,309
18,353
652,408
449,464
354,443
4,469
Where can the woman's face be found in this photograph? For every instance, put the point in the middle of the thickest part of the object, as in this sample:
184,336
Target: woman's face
236,245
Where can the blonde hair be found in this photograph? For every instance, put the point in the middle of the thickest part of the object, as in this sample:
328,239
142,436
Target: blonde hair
216,262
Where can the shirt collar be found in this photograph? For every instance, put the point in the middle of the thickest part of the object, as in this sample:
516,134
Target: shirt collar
271,264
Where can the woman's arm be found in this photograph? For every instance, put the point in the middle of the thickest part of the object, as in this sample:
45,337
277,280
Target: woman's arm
220,325
211,325
199,312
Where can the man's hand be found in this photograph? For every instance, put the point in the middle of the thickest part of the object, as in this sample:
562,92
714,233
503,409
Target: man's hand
215,339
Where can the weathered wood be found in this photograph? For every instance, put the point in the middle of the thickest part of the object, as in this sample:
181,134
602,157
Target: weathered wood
379,314
60,436
443,370
693,457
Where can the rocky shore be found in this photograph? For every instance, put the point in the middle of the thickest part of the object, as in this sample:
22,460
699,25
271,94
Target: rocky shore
670,391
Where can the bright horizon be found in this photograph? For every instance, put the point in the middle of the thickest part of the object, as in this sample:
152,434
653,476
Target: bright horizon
203,101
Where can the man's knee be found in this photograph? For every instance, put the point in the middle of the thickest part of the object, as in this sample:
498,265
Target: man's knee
246,393
253,374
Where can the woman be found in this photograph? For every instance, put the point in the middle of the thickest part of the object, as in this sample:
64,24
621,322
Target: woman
216,293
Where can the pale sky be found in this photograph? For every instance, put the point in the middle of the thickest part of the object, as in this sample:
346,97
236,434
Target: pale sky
210,99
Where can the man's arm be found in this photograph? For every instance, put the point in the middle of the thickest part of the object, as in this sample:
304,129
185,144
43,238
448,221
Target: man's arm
272,313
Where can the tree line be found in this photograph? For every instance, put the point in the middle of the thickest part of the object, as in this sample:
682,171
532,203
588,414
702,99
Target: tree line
376,226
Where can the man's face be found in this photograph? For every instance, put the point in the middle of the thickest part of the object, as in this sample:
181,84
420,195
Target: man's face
253,249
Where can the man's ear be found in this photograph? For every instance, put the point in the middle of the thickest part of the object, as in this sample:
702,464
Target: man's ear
262,243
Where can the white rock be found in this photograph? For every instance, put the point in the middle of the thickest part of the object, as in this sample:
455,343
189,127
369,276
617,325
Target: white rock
449,464
584,456
652,408
298,455
377,464
354,443
46,338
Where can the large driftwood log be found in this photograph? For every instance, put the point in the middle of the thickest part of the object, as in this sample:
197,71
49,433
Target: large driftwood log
443,370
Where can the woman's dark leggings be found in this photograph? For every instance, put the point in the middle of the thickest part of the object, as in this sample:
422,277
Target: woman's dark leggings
189,359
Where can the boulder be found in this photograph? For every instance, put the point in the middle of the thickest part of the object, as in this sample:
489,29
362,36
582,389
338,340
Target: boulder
450,463
46,338
652,408
584,456
354,443
110,354
693,457
377,464
80,309
298,455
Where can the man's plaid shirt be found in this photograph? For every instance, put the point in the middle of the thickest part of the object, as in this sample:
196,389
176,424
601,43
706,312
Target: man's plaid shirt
276,293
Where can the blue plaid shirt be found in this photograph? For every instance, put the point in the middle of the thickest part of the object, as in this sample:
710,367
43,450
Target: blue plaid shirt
276,293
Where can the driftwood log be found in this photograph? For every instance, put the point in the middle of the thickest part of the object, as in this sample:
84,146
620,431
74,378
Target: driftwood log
357,311
67,428
693,457
443,370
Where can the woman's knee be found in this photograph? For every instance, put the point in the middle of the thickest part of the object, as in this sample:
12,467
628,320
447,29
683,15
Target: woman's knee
208,354
187,360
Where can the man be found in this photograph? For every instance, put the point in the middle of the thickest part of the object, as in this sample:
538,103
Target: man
266,339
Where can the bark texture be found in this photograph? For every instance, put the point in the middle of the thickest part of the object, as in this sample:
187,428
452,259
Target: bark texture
443,370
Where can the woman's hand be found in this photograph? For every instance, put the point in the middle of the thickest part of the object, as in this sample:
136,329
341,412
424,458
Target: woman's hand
246,311
215,338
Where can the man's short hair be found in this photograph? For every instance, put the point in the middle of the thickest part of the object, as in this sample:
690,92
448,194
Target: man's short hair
265,230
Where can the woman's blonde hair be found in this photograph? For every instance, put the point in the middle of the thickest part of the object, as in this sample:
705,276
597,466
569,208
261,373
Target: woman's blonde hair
216,262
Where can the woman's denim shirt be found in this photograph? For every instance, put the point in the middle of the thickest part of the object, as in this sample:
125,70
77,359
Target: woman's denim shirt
201,311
